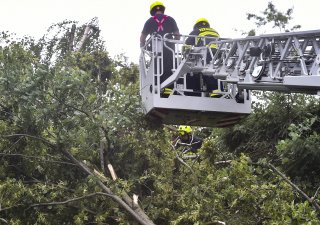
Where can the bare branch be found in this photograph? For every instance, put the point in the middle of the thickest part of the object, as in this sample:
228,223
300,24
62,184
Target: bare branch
10,207
137,216
15,143
25,174
112,172
317,192
30,136
184,163
70,200
105,145
37,157
3,220
89,30
102,150
71,40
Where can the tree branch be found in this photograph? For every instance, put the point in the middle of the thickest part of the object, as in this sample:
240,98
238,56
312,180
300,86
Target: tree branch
30,136
3,220
71,106
105,144
69,200
142,220
184,163
138,217
316,194
102,152
10,207
89,30
37,157
295,187
71,39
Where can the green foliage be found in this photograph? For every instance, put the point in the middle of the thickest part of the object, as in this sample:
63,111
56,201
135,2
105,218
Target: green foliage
55,99
260,132
48,102
300,151
235,194
271,15
284,129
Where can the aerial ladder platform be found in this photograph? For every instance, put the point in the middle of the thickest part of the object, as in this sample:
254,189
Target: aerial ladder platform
284,62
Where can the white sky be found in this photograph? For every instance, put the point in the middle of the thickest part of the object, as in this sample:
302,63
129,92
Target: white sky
121,21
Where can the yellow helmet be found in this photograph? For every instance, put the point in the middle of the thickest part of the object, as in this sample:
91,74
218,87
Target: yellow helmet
204,21
184,129
159,5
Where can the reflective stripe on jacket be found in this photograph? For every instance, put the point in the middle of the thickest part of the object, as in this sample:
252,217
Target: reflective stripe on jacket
207,32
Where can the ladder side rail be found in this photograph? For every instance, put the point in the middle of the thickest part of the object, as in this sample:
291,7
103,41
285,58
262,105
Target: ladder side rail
311,33
285,35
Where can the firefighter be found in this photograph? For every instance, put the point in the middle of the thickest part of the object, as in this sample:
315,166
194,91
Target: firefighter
188,139
161,24
202,28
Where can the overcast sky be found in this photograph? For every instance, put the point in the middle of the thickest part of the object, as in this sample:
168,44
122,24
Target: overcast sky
121,21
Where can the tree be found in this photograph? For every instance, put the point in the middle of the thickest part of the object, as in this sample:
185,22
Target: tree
278,19
54,110
77,149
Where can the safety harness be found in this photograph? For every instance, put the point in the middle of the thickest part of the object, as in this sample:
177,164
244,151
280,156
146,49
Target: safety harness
160,22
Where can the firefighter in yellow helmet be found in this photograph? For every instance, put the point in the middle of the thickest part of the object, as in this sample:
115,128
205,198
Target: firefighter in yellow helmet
161,24
187,138
201,29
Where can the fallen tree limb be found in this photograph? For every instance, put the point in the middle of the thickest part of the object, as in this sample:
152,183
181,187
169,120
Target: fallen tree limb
104,144
84,168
